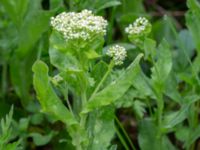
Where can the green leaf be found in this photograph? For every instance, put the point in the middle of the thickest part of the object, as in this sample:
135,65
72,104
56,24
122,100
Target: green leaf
116,89
21,76
41,140
107,4
30,32
193,21
48,99
175,118
194,134
63,61
148,136
139,108
16,9
101,128
162,67
142,84
91,54
98,71
149,47
113,147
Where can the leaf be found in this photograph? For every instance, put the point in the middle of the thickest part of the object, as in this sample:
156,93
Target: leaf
149,47
139,108
194,134
142,84
48,99
6,133
182,133
193,21
41,140
16,9
175,118
107,4
185,50
98,5
116,89
113,147
21,76
30,32
102,127
171,89
63,61
148,136
98,71
162,67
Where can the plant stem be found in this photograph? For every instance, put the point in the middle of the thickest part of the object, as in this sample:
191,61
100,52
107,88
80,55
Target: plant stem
125,133
4,80
84,116
121,139
65,93
111,65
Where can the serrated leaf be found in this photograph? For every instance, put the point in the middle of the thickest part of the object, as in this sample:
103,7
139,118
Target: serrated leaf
139,108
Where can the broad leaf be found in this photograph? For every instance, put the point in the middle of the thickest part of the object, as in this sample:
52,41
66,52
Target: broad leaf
48,99
102,127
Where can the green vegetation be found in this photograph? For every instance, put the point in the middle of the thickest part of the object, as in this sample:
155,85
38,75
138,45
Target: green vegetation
99,75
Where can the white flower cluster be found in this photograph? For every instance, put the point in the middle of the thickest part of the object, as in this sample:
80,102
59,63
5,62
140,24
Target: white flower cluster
83,25
139,26
118,53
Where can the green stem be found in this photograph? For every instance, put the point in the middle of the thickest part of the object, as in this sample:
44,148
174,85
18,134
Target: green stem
125,133
111,65
4,80
84,116
149,106
121,139
65,93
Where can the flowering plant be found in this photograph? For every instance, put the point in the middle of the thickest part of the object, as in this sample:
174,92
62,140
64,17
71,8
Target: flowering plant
75,50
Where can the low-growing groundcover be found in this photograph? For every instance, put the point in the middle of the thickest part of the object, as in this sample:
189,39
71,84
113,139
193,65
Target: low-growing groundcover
99,75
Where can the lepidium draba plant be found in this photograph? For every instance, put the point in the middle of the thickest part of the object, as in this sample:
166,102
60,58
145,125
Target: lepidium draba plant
76,44
154,88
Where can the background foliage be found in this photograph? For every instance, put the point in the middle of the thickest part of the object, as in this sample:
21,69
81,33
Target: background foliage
168,87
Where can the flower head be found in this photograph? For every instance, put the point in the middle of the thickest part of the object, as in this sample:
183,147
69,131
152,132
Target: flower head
140,27
83,25
118,53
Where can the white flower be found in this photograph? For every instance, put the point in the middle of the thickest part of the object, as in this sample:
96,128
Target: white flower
118,53
140,26
83,25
